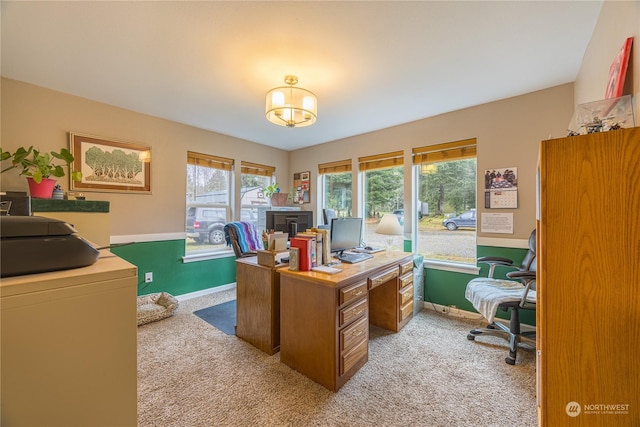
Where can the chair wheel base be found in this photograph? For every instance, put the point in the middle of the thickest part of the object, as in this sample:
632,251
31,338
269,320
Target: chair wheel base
510,361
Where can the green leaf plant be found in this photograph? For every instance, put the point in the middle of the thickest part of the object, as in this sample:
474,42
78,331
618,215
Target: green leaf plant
39,165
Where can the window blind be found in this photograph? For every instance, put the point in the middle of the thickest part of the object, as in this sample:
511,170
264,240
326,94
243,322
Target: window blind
379,161
335,167
456,150
257,169
209,161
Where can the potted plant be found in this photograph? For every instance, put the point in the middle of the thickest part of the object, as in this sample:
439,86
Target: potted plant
273,192
39,166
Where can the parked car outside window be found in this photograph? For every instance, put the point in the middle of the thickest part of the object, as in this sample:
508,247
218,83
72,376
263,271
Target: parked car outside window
206,224
400,214
466,219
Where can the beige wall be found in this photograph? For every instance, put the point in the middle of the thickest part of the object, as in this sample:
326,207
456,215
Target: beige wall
617,21
35,116
508,133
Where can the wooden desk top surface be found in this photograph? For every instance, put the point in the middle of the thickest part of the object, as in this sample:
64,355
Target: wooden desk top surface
351,272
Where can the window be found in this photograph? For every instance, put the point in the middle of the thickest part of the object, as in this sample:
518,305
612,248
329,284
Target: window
446,195
383,177
208,202
254,178
336,187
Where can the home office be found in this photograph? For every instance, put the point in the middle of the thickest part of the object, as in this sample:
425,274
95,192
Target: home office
508,131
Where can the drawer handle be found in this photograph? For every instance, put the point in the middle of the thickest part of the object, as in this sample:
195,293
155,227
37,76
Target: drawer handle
358,293
357,333
357,313
375,281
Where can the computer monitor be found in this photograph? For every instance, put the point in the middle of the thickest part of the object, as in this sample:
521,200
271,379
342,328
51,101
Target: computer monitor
346,233
282,220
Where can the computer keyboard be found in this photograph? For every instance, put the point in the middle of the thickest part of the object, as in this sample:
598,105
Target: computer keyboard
353,258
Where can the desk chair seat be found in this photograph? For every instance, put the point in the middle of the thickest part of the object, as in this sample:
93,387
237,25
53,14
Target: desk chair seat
244,238
488,294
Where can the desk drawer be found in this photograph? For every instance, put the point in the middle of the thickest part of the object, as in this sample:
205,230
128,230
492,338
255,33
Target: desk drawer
406,267
383,277
347,314
353,334
406,280
352,292
348,359
406,295
406,310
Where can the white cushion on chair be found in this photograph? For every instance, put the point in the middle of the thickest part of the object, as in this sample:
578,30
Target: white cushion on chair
487,294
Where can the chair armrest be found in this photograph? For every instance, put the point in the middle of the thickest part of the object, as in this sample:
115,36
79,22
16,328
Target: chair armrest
493,261
496,260
522,275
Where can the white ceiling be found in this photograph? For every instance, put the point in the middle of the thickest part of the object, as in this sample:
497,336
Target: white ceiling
372,64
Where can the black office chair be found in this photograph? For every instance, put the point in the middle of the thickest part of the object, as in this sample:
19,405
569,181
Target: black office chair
328,215
488,294
244,238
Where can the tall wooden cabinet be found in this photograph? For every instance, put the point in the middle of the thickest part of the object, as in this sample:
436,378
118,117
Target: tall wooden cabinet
588,313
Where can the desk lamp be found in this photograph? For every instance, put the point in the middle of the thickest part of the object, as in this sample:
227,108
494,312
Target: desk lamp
389,226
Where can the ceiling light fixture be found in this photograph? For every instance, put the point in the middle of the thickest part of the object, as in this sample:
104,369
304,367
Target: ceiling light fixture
291,106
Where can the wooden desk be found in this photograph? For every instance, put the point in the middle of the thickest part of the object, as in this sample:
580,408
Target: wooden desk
324,319
258,304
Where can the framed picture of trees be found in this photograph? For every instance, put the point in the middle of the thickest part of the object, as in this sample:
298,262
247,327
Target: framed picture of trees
110,165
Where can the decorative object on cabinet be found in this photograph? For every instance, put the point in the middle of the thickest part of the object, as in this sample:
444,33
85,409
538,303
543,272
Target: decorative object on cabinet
618,70
110,165
154,307
605,115
38,166
488,294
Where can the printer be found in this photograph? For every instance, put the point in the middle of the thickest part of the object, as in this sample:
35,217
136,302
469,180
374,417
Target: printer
34,244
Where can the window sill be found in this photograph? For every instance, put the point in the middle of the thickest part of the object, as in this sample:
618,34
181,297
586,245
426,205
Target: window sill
455,267
207,256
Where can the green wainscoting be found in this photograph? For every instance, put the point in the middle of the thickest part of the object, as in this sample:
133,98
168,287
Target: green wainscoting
170,274
447,288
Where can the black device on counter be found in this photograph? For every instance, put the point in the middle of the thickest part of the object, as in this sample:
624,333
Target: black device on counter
35,244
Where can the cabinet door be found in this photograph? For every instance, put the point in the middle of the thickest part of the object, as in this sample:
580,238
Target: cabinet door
588,269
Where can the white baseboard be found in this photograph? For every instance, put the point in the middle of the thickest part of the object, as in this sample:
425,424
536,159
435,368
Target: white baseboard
203,292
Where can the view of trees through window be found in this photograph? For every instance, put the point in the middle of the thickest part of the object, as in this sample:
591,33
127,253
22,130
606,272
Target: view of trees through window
383,193
337,193
446,190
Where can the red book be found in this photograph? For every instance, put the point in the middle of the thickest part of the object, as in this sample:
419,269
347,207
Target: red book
305,252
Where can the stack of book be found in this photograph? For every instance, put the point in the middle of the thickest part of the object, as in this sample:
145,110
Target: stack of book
314,246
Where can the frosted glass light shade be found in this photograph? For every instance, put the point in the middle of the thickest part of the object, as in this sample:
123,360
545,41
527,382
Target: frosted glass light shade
291,106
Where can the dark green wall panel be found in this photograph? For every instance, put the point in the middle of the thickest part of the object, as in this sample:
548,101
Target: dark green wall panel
447,288
170,274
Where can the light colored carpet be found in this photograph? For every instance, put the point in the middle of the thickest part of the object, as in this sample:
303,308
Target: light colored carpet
428,374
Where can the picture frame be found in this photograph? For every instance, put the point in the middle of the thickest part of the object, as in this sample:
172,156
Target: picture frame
301,188
618,70
110,165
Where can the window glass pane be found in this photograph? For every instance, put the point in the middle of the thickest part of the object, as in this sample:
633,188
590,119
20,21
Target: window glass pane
337,193
383,193
252,197
446,210
208,208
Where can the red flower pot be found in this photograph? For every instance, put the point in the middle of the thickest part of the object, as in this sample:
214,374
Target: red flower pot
44,190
